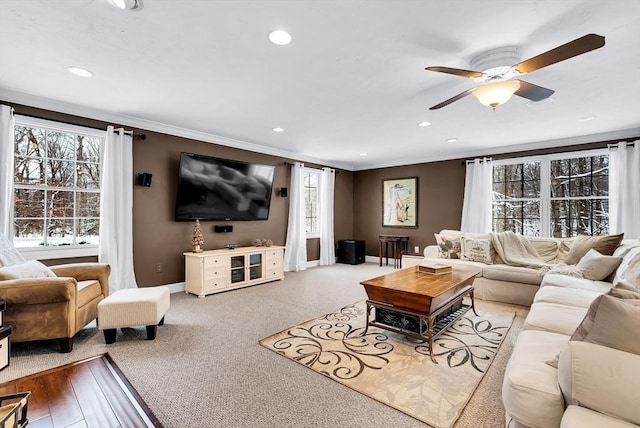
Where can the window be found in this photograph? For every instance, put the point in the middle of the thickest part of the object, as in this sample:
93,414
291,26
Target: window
555,195
516,198
56,185
580,196
311,181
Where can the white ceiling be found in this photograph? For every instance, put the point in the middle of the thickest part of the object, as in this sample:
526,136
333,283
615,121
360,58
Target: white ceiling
351,81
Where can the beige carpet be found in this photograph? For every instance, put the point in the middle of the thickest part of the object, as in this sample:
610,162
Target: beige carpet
393,369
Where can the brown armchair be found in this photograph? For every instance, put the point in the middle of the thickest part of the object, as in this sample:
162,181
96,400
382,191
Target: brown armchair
55,307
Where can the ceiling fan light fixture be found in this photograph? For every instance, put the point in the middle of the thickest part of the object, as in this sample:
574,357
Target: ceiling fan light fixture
134,5
493,94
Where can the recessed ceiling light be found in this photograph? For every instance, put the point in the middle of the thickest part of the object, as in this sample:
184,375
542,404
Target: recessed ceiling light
452,140
134,5
423,124
276,129
78,71
363,154
586,119
280,37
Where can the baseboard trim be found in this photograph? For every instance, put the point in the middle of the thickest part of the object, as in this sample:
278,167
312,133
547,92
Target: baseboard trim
177,287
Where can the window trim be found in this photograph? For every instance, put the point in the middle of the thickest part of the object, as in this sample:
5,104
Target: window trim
545,178
66,251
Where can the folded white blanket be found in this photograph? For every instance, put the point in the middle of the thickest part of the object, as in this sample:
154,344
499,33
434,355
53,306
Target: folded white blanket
516,250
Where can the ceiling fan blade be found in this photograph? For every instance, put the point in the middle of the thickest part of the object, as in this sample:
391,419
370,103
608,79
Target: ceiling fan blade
533,92
456,71
450,100
574,48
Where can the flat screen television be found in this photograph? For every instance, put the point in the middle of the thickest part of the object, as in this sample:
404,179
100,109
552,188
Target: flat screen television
219,189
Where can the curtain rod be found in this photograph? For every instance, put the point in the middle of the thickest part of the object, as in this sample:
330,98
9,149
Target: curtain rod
134,136
468,161
625,142
291,163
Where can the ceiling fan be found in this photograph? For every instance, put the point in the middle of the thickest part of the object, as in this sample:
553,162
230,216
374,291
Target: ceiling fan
497,84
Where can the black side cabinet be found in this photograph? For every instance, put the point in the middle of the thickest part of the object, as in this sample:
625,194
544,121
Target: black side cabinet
351,251
5,332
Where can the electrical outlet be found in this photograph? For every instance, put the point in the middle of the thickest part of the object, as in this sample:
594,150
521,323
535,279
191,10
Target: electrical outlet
159,267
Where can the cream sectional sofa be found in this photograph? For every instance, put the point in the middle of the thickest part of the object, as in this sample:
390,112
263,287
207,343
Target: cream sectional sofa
591,385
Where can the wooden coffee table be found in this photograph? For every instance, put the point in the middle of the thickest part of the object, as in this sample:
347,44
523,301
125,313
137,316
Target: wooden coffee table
419,304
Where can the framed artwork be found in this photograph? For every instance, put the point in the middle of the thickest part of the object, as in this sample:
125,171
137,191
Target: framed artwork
400,202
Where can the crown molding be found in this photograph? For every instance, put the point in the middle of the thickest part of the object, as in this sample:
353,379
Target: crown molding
149,125
569,141
125,120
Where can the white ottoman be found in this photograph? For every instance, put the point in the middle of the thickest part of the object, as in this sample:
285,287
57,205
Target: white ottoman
133,307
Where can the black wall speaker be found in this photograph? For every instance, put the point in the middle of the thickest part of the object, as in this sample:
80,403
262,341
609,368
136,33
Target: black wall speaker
144,179
223,228
283,192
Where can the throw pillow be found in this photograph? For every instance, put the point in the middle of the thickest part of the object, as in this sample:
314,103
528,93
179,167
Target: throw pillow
616,324
605,245
30,269
628,273
449,247
8,253
476,250
597,267
615,330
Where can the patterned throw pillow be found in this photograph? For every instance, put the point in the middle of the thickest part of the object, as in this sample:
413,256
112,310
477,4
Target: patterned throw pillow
448,246
476,250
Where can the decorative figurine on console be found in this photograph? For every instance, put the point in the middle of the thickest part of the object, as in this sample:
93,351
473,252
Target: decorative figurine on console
198,239
262,242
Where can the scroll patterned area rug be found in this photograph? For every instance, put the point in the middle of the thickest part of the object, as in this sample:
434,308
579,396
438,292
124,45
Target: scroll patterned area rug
394,369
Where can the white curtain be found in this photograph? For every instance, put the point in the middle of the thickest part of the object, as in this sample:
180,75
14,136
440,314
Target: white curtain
327,245
295,254
116,209
624,189
478,188
6,171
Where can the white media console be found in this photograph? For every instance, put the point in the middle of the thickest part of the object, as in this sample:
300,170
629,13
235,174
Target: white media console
214,271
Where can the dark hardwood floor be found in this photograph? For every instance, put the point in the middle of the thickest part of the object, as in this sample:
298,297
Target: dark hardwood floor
88,393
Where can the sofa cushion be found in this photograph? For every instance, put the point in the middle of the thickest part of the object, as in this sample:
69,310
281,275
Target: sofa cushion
566,296
530,385
87,291
564,246
628,273
601,378
30,269
596,266
581,417
456,263
603,244
571,282
554,317
547,248
512,274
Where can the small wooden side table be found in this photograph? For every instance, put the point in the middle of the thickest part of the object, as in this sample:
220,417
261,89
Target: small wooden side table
5,332
399,244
